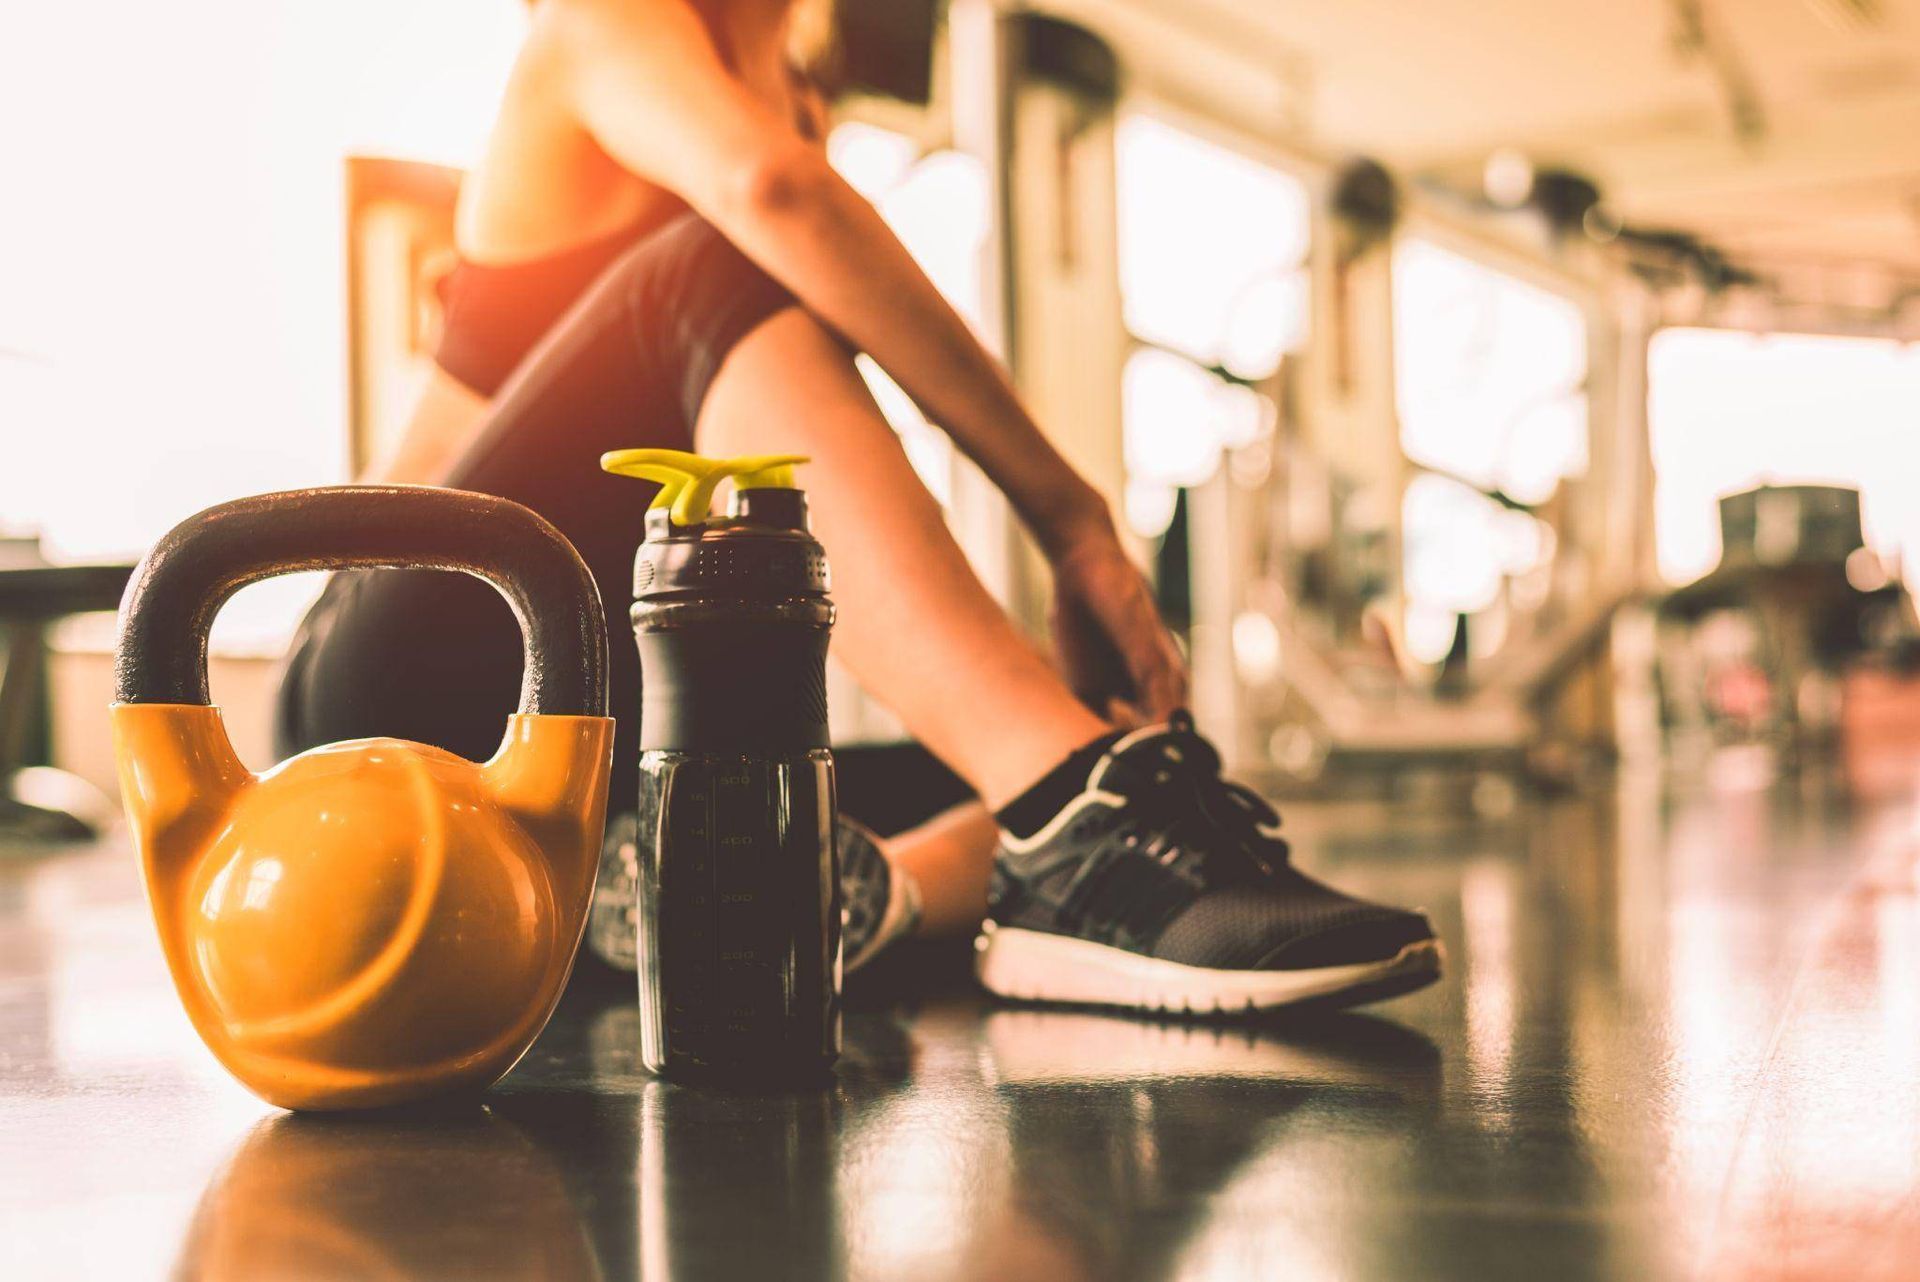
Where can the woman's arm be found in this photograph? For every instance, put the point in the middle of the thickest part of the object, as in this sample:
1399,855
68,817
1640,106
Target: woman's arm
648,86
646,83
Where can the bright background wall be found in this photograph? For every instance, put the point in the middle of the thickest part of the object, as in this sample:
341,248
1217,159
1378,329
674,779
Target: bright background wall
172,278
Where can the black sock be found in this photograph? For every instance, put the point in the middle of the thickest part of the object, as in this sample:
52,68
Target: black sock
1028,813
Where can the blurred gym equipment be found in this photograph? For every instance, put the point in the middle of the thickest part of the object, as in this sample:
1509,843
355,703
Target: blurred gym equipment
1755,651
38,803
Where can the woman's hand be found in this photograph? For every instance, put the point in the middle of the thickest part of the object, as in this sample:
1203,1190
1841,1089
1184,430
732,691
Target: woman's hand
1117,653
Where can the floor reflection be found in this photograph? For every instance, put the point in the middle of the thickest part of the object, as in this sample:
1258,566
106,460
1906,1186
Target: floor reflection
963,1140
1822,1179
440,1194
1679,1037
1165,1150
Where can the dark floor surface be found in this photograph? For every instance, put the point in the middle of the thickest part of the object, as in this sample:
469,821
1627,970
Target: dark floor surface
1678,1038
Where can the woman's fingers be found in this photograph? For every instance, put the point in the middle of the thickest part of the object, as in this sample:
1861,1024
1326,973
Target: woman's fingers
1160,678
1110,635
1153,661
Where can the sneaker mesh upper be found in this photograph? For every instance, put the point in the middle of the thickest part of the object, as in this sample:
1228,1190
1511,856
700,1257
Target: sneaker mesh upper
1184,868
1292,923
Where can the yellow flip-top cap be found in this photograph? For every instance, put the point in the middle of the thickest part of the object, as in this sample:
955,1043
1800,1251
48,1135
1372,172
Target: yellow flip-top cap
687,481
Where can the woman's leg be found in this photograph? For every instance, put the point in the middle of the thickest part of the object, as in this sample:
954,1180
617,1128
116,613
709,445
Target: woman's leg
435,657
916,627
685,330
950,858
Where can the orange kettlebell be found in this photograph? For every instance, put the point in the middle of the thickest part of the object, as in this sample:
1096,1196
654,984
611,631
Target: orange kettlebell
374,921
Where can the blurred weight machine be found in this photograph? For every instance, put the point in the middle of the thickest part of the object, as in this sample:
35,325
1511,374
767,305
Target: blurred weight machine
1301,668
1302,673
1318,555
1759,651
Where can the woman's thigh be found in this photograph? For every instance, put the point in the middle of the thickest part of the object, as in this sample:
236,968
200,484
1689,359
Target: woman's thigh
435,657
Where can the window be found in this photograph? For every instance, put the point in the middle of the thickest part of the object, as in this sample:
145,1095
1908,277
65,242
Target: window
1490,382
1728,411
936,204
1214,285
172,326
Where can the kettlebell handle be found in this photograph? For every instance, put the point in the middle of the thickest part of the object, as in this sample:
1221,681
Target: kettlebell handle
182,583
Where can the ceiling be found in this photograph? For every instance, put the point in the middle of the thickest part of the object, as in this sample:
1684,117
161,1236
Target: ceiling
1785,131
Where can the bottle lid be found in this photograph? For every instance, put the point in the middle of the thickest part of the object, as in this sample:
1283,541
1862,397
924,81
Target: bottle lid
759,549
687,481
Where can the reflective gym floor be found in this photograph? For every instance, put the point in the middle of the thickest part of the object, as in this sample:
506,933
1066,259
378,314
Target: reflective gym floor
1679,1038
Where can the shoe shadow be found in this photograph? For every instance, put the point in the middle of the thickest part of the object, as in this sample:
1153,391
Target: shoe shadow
1142,1146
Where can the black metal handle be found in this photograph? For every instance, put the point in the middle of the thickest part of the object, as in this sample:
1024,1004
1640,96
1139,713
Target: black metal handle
176,591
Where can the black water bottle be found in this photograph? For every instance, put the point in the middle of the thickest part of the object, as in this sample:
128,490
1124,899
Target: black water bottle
739,893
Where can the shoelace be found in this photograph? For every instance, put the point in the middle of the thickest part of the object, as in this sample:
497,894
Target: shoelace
1194,806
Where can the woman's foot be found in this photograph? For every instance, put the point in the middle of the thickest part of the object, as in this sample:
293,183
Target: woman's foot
1163,887
879,903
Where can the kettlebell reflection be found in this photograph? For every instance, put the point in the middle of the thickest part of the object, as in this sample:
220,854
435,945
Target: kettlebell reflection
437,1196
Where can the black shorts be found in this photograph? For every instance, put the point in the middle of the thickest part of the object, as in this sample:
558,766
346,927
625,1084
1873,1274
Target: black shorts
434,656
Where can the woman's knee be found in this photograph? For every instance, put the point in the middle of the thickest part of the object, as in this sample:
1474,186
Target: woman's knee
423,655
692,297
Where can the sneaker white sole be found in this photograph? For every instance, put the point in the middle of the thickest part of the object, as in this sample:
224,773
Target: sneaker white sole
1031,965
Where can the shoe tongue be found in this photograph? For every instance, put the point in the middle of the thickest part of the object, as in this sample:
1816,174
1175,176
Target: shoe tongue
1150,751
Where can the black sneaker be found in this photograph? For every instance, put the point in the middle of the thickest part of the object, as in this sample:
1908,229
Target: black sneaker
879,904
1164,887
